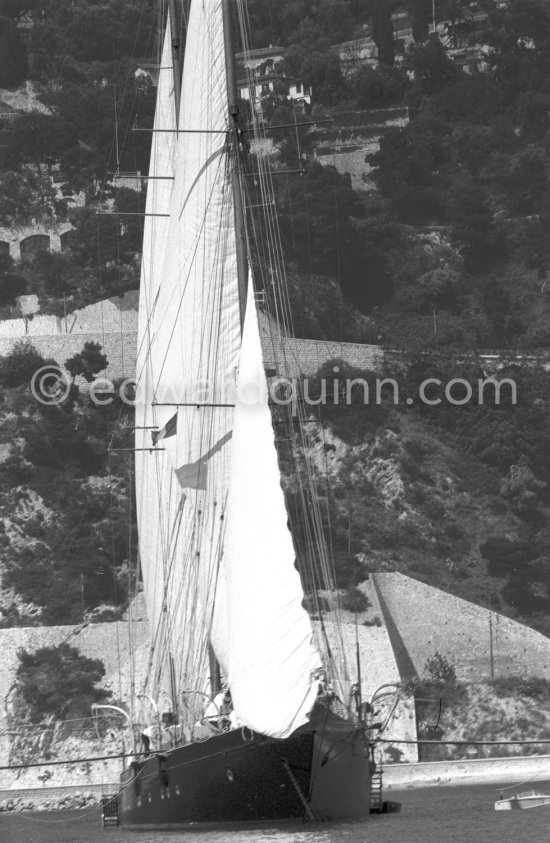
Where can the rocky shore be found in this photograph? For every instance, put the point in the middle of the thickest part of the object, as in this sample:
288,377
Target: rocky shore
71,797
17,805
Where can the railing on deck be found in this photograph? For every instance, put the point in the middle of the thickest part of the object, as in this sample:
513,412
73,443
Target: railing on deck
109,812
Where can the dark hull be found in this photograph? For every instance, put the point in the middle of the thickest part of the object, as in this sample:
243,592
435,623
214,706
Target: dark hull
236,777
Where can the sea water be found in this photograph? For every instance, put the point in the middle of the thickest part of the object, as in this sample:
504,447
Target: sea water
430,815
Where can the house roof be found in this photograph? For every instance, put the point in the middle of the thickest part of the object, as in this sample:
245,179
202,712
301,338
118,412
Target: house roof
269,77
261,52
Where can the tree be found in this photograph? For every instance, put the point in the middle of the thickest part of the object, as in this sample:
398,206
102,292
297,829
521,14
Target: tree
505,556
88,362
439,671
59,682
311,59
382,32
12,284
421,19
24,195
13,57
411,169
18,367
431,66
472,227
379,88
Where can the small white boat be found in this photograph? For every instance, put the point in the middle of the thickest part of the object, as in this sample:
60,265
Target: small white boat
528,799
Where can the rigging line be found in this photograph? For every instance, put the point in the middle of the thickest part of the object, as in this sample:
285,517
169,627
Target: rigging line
148,274
113,552
312,542
518,742
128,75
129,72
327,575
175,316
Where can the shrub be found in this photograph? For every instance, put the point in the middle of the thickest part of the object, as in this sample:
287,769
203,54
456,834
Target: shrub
374,622
439,670
314,604
88,362
18,367
56,681
522,686
379,88
503,555
355,601
16,470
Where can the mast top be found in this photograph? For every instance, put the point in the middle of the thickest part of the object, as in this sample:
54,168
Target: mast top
177,58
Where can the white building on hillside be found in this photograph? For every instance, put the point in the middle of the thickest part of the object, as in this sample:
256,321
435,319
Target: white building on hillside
262,77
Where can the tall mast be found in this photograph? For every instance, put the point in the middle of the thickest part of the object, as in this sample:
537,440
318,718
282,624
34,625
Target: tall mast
235,147
177,63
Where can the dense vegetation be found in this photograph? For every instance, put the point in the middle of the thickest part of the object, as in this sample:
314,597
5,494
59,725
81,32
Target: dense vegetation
58,682
456,496
451,248
81,58
68,520
446,247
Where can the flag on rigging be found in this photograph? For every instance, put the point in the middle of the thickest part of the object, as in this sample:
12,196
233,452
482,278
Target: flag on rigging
194,475
169,429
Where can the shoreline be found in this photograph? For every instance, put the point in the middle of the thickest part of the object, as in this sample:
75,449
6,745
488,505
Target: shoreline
395,778
63,797
475,771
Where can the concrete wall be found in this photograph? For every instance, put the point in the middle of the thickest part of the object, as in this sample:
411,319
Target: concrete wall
528,769
355,135
125,663
477,641
16,233
113,324
295,357
378,668
352,162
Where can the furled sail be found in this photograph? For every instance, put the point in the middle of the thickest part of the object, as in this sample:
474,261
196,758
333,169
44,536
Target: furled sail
156,491
196,352
272,666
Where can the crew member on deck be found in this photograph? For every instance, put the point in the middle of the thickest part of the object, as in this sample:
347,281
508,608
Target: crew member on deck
146,736
218,711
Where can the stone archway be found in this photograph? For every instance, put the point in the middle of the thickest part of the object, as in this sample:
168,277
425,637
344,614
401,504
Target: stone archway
30,246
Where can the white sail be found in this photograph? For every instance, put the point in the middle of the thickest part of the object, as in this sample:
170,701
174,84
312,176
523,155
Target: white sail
197,348
273,668
155,489
210,520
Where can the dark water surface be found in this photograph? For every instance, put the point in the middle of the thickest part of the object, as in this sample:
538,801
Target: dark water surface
431,815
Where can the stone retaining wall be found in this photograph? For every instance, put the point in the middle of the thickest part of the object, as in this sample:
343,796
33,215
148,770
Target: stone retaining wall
478,642
476,771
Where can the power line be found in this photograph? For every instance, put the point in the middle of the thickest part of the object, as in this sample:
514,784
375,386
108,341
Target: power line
71,761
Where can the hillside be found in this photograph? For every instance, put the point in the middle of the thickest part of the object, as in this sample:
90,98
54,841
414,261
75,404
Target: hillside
442,251
454,496
66,517
450,248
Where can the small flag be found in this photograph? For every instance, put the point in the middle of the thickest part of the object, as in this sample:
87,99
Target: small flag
169,429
